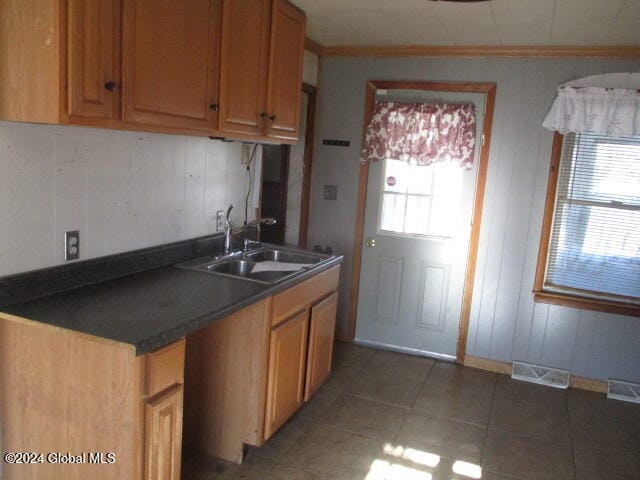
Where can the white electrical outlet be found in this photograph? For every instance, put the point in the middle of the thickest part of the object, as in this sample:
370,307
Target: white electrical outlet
219,220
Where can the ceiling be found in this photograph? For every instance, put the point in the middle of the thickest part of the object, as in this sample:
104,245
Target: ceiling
495,22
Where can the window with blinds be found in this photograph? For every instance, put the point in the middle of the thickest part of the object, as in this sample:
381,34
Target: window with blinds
594,248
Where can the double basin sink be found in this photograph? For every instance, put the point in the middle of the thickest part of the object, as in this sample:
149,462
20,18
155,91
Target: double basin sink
246,265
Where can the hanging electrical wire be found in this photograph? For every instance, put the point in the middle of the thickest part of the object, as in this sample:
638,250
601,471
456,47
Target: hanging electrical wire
246,200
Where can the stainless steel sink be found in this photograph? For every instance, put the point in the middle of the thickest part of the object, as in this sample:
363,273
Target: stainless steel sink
242,264
240,268
274,255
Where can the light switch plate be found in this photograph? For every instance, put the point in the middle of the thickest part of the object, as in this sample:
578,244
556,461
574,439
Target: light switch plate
72,245
330,192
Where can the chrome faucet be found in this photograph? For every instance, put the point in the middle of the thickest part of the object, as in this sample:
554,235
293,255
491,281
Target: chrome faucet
229,231
228,227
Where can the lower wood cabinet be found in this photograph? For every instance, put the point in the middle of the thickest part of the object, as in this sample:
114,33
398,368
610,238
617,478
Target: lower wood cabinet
321,336
62,391
163,401
163,437
247,374
287,362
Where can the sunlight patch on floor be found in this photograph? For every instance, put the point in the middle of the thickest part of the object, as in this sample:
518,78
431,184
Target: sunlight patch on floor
404,463
416,456
383,470
467,469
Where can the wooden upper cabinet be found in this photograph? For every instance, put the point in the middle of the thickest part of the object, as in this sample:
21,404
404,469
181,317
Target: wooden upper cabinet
203,67
93,56
171,60
285,70
244,59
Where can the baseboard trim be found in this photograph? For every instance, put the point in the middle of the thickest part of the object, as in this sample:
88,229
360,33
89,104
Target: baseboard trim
589,384
497,366
487,364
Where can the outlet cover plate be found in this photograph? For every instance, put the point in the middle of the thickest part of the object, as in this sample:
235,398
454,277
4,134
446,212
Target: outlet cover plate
219,220
72,245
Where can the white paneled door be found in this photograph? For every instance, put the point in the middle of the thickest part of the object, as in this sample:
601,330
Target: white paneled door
416,240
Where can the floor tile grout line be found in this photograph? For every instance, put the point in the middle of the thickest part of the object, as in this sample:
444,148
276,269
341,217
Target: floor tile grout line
395,439
375,400
486,432
453,419
537,438
364,435
573,448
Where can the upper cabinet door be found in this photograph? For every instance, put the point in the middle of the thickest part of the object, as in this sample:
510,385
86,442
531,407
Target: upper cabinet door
285,70
171,60
244,59
93,59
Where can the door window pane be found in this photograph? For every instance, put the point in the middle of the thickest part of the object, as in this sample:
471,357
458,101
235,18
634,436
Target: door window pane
417,219
420,200
448,180
392,218
395,176
444,217
421,179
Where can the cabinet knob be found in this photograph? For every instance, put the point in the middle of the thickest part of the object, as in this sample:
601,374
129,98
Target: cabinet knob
214,107
272,117
263,114
111,86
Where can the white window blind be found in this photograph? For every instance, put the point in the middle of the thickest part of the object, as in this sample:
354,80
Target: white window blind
594,250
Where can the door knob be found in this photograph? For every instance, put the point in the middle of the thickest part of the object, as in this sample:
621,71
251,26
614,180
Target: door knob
111,86
370,242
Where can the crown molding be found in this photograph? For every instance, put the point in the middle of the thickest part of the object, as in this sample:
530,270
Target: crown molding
622,51
313,47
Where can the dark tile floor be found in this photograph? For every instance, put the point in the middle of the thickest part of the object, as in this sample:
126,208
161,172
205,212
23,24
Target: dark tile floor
388,416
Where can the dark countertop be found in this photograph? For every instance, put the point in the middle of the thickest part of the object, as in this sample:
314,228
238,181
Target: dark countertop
153,308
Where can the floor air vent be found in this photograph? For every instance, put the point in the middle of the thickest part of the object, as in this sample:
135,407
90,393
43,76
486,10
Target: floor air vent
625,391
552,377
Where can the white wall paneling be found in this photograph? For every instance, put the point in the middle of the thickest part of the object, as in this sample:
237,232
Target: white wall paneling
505,323
122,190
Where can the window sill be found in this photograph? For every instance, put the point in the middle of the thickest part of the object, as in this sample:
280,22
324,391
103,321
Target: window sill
586,303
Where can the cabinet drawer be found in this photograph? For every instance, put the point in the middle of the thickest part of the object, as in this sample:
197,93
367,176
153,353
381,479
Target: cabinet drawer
297,298
165,367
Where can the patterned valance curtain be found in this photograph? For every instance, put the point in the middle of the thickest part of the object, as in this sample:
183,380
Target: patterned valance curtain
421,133
607,111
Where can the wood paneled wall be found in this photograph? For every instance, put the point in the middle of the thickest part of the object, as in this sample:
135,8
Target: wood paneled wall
505,323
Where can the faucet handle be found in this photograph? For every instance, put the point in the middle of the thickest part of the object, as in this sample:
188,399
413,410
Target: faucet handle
248,243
